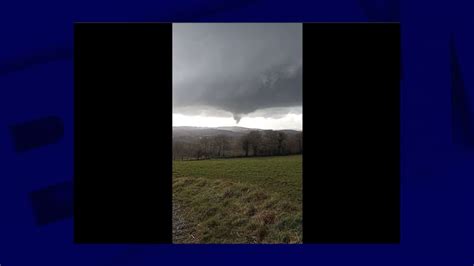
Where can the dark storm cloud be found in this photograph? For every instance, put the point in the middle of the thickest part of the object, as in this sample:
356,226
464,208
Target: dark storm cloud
238,68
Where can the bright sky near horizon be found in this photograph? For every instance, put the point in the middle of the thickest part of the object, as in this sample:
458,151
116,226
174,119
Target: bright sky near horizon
289,121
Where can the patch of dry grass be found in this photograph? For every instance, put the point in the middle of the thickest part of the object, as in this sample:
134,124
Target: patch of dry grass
241,207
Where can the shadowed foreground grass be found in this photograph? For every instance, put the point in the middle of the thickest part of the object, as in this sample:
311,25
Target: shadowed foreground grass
247,200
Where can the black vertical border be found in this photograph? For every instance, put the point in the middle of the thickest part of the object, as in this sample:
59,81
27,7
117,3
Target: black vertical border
351,161
123,132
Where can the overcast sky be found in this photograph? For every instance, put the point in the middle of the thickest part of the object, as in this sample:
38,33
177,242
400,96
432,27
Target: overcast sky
237,74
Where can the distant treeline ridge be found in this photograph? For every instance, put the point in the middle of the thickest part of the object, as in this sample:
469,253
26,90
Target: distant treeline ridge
253,143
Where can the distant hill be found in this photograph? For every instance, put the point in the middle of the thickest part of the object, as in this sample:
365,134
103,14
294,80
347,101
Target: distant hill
190,132
237,129
202,132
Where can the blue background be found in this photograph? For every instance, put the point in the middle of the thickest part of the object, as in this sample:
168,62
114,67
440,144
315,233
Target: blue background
437,133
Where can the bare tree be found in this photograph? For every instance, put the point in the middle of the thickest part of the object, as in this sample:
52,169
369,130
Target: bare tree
282,139
225,144
255,140
270,142
198,150
245,143
178,150
222,144
205,147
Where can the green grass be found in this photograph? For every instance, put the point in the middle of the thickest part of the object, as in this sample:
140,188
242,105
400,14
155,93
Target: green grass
245,200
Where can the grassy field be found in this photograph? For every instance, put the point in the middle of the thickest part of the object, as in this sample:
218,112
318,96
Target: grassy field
245,200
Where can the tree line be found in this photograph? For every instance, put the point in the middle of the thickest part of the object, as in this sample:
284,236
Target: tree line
254,143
